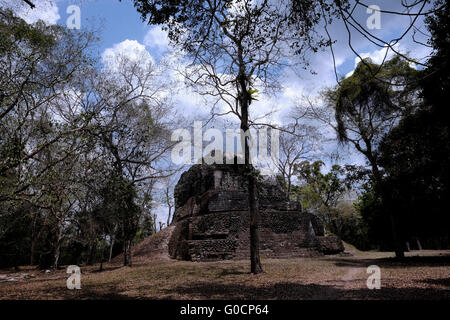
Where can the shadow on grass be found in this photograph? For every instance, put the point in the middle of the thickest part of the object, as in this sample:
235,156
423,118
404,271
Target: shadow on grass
86,293
278,291
233,271
108,268
293,291
441,282
414,261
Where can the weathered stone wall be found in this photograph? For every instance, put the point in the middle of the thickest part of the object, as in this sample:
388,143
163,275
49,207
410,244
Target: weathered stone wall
211,218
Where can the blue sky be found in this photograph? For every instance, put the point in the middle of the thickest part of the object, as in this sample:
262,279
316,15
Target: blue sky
116,20
119,21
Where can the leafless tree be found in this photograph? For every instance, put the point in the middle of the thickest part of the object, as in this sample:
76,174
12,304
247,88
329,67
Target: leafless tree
298,142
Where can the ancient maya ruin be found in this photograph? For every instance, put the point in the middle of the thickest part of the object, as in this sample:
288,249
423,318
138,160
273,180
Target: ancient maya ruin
211,220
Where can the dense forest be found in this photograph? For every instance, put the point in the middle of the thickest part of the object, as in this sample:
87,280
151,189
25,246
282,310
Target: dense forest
83,143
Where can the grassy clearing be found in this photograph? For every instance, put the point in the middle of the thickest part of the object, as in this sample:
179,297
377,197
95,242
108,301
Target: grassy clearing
425,275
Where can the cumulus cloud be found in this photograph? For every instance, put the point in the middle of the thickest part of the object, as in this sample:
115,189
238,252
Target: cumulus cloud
156,38
377,56
131,49
45,10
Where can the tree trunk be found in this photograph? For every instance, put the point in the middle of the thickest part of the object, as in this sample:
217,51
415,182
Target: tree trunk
33,248
56,257
386,199
102,255
289,188
111,249
255,261
34,240
92,249
127,253
168,217
398,247
154,223
419,246
57,250
113,239
254,221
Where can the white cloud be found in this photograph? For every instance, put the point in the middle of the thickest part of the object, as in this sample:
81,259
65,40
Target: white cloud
45,10
130,49
156,38
377,56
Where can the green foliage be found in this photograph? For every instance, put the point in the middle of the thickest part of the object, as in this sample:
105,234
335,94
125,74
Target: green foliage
119,196
178,16
16,35
348,223
319,189
366,101
253,94
323,193
146,228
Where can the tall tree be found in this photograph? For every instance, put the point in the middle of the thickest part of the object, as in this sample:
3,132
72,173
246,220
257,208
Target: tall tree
367,108
415,154
235,46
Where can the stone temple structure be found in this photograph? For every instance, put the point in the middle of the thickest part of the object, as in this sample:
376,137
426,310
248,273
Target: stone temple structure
211,219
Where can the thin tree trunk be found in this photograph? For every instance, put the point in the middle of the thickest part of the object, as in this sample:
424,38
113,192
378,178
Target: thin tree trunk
125,257
168,217
111,249
254,222
33,242
255,261
57,250
33,248
102,255
113,239
92,249
34,239
154,223
289,188
419,246
56,256
127,253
